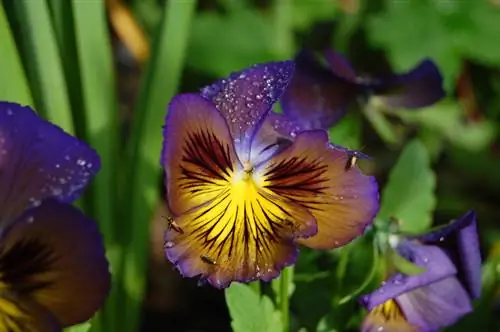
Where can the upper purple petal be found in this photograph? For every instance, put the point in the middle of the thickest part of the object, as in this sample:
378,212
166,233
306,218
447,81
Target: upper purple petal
437,264
246,97
460,240
317,97
38,160
436,305
422,86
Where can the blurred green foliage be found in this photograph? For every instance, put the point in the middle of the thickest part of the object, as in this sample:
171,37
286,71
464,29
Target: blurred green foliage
432,165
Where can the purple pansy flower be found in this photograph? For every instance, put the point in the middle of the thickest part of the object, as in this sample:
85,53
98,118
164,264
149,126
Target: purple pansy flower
245,188
439,296
319,96
53,271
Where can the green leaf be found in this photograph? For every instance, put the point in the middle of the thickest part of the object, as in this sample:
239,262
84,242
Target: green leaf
403,265
15,88
251,312
306,13
221,44
409,194
84,327
446,119
388,30
347,132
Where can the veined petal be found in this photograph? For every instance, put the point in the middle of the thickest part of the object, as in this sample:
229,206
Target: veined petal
55,255
244,234
460,240
316,97
39,160
387,317
436,305
19,313
198,153
246,97
437,264
322,179
420,87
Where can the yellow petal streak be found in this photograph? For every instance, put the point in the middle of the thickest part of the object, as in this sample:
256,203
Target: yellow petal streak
387,317
244,233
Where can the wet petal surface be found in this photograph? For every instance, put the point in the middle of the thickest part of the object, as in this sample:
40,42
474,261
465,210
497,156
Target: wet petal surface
246,97
39,160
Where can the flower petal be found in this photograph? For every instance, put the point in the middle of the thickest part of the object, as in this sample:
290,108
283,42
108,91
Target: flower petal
20,313
460,239
321,178
244,234
437,264
387,317
39,160
246,97
340,65
316,97
198,153
436,305
420,87
55,255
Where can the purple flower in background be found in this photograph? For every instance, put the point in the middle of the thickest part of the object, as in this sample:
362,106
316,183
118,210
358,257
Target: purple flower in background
53,271
318,95
246,186
437,297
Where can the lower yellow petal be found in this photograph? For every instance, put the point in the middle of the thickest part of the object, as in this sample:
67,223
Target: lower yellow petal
244,234
387,317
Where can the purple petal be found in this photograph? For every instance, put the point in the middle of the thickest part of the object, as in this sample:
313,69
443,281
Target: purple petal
340,65
420,87
460,239
316,97
39,160
437,264
436,305
246,97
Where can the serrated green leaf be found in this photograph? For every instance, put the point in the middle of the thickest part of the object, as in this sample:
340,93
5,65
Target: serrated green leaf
306,13
409,194
251,312
403,265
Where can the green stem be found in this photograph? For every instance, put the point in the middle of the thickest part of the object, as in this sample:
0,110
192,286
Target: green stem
286,279
159,85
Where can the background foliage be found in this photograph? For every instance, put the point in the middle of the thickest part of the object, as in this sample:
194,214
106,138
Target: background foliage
105,71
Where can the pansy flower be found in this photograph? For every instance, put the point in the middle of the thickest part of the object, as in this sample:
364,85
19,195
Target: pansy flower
440,295
53,271
244,195
319,95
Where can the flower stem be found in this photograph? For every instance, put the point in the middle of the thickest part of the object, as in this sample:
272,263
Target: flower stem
284,299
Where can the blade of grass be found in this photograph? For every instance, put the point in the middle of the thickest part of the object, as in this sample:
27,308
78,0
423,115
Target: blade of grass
63,22
14,87
100,113
160,83
43,63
